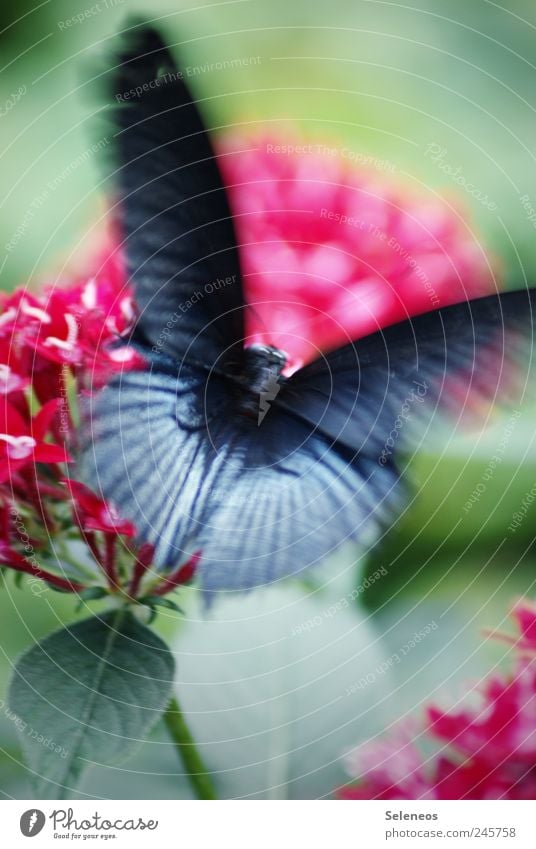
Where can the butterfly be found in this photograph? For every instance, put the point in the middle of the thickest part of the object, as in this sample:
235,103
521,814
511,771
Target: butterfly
214,446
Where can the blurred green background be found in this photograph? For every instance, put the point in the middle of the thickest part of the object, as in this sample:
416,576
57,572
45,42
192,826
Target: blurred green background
388,79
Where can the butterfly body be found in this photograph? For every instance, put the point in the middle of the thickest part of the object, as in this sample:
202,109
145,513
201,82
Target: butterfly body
261,380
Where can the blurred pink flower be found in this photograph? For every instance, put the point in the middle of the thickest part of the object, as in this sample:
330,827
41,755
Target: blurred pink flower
524,614
74,327
23,442
491,746
502,728
393,768
94,514
332,253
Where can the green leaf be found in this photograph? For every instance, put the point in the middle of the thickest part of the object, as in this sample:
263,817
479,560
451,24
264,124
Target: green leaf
90,594
158,601
88,693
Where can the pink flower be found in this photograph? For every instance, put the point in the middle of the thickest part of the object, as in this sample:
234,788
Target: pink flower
331,253
389,769
183,575
471,780
502,728
524,615
11,558
12,378
164,584
58,343
491,745
94,514
22,443
77,328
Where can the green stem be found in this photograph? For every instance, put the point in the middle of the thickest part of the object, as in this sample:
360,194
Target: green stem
198,775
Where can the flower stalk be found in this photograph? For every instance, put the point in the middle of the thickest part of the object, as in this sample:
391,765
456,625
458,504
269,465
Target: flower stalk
198,775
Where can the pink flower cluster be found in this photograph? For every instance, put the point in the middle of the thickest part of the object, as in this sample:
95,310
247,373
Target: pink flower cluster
332,253
54,347
483,751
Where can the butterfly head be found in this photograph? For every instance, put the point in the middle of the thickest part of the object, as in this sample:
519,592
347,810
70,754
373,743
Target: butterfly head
267,355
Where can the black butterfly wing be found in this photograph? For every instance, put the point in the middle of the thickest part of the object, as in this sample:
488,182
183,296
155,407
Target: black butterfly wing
286,517
179,238
261,503
134,454
171,451
367,395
